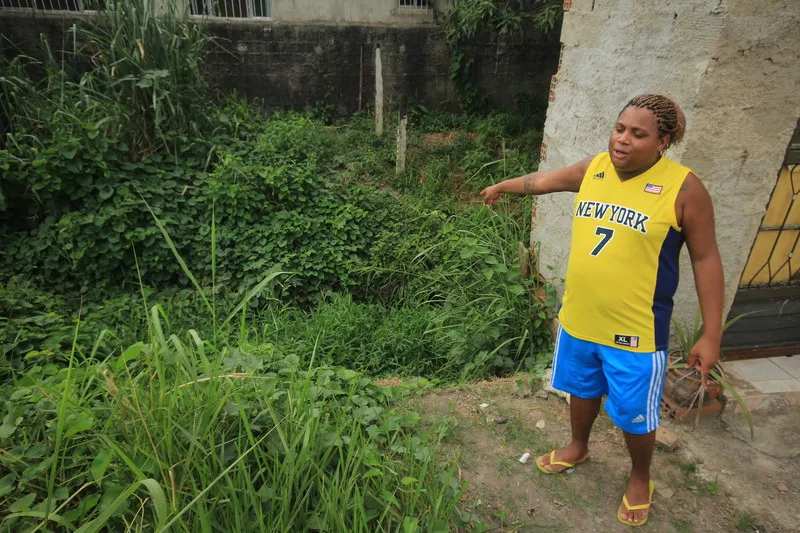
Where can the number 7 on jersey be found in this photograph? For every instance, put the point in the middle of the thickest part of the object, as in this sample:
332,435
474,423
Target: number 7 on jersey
606,234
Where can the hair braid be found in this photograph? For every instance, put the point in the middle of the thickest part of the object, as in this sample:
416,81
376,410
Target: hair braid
669,117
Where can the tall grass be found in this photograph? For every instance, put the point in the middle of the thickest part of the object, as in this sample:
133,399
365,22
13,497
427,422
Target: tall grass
133,71
172,435
181,434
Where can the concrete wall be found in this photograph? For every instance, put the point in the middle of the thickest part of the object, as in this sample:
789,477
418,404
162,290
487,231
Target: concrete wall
300,66
733,66
352,12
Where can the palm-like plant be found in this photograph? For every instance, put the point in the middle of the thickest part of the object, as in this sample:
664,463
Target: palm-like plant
687,337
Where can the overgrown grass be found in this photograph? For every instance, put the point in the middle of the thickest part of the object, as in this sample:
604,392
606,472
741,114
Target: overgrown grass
172,435
192,312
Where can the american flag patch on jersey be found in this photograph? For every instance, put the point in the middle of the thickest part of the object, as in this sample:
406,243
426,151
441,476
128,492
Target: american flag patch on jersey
653,189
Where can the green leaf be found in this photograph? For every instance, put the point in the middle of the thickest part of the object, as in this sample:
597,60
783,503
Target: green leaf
346,374
6,430
441,526
131,354
156,495
730,389
18,394
517,289
408,480
100,464
6,484
69,151
317,523
78,423
23,504
410,524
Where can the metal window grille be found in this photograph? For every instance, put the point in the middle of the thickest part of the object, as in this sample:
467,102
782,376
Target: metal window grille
415,4
54,5
232,8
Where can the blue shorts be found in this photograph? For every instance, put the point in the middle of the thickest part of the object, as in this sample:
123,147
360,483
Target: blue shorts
632,381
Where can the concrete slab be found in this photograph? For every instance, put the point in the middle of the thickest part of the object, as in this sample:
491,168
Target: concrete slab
790,365
754,370
778,385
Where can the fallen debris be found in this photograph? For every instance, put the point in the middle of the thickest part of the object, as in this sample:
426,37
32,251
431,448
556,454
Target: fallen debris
549,388
667,439
540,424
666,493
782,488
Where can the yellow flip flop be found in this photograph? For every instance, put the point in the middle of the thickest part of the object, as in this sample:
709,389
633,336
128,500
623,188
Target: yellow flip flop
637,508
556,463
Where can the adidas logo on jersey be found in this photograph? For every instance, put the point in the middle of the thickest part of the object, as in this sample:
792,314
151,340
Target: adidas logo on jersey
599,175
638,420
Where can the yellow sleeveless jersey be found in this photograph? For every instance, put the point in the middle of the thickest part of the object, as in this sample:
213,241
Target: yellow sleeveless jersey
623,263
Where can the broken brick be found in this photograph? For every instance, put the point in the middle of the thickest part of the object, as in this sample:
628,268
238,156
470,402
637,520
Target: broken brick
667,439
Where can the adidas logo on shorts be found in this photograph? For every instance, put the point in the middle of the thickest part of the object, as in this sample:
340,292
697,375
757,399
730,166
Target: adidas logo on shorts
638,420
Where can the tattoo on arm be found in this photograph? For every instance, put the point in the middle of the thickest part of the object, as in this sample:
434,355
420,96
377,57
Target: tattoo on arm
685,185
527,184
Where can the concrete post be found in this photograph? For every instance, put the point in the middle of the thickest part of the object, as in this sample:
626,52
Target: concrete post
378,92
402,144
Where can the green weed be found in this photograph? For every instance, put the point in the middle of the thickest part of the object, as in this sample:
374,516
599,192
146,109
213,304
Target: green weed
682,524
746,521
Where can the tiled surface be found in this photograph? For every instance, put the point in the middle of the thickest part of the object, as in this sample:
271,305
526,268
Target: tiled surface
791,365
769,376
754,370
778,385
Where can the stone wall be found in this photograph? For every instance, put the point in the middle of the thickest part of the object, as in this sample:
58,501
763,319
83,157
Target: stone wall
300,66
733,67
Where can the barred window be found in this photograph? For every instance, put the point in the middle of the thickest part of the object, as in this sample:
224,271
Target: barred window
232,8
415,4
54,5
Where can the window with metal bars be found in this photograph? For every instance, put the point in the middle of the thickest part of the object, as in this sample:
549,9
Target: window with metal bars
232,8
415,4
54,5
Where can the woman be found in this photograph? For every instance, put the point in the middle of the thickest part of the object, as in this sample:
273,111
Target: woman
633,212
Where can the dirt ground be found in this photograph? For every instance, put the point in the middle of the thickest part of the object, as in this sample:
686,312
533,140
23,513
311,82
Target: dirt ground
718,481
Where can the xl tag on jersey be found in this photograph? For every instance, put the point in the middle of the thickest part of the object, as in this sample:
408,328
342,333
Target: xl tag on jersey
626,340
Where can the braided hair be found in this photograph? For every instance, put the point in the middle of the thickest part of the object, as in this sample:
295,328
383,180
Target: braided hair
669,117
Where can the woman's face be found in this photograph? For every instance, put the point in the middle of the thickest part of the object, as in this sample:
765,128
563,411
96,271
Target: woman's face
634,144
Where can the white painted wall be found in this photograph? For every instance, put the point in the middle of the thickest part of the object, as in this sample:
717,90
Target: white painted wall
733,66
351,11
345,11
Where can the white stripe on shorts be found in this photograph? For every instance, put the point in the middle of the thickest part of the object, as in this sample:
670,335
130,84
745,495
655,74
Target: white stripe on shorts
651,389
555,356
659,361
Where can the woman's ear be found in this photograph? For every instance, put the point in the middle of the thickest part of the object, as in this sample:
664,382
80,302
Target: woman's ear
663,143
